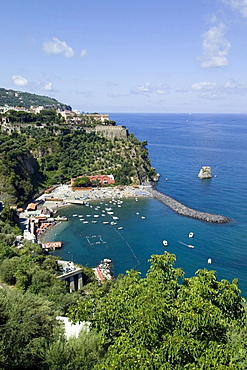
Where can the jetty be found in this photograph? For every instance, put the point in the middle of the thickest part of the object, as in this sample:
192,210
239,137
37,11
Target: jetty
52,245
183,210
103,271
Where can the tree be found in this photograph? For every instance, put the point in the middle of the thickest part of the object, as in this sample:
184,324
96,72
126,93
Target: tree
27,327
161,322
83,181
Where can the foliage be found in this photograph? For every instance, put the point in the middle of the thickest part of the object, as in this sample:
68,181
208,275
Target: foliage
18,98
35,158
83,181
27,325
157,322
82,353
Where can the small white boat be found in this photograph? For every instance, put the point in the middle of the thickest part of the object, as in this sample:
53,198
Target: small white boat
165,243
85,222
75,215
120,228
191,235
105,222
143,217
209,261
190,246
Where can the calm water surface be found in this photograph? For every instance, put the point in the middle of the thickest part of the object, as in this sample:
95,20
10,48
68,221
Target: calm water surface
179,145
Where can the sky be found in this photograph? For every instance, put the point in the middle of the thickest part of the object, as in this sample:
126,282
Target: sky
143,56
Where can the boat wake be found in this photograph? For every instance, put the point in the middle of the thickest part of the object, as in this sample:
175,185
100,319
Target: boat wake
187,245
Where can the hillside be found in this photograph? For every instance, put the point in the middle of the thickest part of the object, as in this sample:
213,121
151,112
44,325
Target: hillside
44,150
18,98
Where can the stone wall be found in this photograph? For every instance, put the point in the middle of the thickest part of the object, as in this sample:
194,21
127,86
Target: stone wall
112,132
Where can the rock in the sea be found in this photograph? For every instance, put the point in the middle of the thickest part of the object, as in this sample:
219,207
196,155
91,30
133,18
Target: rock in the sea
205,173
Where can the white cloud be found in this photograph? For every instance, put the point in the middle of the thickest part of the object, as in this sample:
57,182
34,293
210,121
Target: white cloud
19,80
58,47
215,47
203,86
48,86
147,89
240,5
211,90
83,53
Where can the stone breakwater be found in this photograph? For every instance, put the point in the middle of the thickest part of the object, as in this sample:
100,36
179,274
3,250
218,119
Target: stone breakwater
181,209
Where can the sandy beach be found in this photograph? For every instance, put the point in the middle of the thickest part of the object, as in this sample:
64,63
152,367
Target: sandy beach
64,195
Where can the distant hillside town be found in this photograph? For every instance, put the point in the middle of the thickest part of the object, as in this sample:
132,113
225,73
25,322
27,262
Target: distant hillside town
69,116
14,118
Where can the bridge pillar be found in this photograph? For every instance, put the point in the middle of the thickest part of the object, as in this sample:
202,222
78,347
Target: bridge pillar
80,281
71,284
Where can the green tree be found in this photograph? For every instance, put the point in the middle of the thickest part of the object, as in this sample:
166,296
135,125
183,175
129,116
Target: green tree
163,322
27,327
83,181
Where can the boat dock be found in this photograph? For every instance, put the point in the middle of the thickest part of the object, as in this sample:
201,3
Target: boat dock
103,271
52,245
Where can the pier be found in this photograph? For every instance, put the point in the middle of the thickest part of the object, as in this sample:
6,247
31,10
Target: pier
183,210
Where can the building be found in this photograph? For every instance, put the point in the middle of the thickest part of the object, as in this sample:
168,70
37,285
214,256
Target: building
103,179
97,116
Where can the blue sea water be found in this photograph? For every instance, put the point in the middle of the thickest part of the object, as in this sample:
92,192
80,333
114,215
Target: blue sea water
179,145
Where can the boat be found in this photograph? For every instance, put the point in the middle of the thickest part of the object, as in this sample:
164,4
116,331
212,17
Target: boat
105,222
165,243
190,246
143,217
120,228
191,235
209,261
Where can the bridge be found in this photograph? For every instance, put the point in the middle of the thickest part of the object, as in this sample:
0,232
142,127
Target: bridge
72,274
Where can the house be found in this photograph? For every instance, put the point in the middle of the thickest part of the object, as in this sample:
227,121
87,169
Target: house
104,179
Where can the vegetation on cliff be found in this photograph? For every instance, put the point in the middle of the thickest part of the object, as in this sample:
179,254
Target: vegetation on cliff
15,98
160,321
45,151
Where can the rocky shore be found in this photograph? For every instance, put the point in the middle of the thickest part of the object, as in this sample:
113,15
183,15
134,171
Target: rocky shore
181,209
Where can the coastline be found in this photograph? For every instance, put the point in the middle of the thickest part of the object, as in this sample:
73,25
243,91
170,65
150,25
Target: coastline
65,196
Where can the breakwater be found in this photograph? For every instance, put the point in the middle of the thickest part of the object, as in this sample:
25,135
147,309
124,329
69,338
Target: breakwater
183,210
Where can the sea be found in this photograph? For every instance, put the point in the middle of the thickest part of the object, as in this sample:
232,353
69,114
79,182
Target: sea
179,145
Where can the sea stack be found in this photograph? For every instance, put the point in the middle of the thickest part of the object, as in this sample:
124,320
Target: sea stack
205,173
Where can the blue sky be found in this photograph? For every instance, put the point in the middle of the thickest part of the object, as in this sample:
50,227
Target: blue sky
128,55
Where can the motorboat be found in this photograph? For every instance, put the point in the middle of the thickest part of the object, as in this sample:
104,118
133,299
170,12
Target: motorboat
190,246
165,243
209,261
191,235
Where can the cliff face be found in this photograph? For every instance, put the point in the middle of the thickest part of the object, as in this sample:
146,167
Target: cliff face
17,183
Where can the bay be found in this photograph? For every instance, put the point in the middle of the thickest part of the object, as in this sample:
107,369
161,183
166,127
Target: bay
179,145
